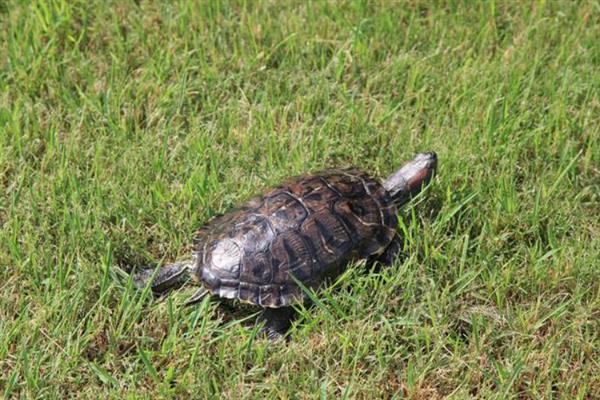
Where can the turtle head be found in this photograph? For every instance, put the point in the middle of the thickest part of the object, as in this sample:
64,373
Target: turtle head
408,181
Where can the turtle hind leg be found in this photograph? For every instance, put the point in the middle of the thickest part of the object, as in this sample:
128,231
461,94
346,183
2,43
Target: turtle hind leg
169,277
277,322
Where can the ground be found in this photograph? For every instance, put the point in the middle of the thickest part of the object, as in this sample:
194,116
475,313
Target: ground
125,125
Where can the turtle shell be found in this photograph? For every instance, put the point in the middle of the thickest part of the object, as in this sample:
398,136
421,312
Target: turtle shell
306,230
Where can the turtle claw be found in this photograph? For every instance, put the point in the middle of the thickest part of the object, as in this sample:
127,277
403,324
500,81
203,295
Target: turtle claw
277,323
273,335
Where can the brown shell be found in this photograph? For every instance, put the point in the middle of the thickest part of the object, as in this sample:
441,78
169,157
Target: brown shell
309,228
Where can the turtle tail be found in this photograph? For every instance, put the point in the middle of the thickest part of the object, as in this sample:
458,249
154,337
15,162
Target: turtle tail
169,277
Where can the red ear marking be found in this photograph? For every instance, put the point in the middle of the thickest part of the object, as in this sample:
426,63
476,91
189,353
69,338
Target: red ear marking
418,179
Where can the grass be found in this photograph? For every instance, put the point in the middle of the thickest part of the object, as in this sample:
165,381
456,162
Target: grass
125,125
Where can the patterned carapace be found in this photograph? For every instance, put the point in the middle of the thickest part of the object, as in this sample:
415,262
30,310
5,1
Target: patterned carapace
306,229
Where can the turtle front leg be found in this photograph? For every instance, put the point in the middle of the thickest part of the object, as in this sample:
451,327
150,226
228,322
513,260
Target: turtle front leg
390,254
277,321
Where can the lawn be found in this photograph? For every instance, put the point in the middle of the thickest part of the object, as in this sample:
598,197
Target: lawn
126,125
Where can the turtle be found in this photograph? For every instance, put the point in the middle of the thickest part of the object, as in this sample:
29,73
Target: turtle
295,236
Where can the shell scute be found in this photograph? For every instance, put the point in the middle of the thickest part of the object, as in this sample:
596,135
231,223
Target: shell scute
226,257
258,269
291,255
328,237
285,211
